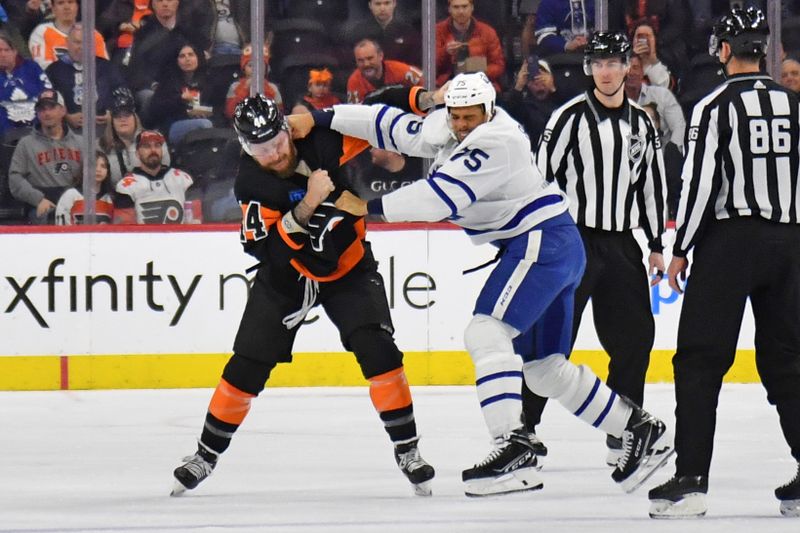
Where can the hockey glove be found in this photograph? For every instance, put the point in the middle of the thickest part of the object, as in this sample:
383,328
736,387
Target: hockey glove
391,95
322,222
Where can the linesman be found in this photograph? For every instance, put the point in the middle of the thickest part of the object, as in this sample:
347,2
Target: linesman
739,210
604,152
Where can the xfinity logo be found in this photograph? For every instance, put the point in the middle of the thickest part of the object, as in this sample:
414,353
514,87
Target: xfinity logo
64,291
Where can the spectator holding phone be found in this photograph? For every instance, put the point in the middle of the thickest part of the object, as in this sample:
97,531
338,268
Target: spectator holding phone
644,47
533,98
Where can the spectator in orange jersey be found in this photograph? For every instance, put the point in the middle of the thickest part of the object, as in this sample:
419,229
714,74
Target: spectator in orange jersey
240,89
48,41
465,44
373,72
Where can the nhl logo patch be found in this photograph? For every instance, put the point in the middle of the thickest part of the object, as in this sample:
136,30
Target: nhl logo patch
635,147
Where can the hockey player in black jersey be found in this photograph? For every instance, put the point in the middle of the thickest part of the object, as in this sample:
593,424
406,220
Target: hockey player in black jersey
310,253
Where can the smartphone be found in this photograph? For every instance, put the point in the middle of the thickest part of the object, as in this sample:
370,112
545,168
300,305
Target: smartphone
533,66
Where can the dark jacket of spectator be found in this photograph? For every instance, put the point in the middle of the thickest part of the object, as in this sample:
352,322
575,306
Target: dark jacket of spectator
399,40
168,104
22,18
154,50
67,78
671,21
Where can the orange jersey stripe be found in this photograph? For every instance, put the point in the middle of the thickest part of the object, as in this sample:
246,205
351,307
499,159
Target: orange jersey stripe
347,261
389,391
230,404
351,147
287,239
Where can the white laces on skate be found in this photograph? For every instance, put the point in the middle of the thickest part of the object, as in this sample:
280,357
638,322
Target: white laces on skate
410,460
310,291
627,448
500,444
197,466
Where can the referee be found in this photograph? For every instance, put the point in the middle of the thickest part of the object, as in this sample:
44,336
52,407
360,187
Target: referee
739,209
605,153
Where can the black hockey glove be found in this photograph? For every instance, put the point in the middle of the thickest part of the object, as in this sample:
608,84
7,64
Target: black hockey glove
322,222
391,95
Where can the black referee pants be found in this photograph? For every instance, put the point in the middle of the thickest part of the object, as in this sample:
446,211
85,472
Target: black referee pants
616,281
736,259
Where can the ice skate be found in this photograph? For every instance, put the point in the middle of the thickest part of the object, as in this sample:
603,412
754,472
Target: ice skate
614,446
418,472
195,469
510,467
680,497
538,446
646,447
789,495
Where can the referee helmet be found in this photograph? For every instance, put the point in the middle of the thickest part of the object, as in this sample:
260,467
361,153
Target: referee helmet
604,44
746,30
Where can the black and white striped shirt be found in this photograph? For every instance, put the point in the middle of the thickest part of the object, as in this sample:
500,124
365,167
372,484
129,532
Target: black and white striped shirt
610,164
742,157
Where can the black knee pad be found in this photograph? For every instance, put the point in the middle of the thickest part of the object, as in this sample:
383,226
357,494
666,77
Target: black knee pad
247,375
375,350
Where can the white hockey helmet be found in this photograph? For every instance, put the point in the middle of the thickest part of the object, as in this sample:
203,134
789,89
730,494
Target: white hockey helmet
470,89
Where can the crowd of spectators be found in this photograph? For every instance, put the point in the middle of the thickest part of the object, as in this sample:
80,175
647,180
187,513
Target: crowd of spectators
181,66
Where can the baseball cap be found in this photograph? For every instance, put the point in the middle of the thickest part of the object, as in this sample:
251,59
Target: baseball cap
149,136
49,96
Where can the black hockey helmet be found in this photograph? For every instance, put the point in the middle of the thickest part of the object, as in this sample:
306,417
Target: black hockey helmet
604,44
746,30
257,119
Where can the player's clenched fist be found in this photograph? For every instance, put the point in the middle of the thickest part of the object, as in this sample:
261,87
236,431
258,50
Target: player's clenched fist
320,186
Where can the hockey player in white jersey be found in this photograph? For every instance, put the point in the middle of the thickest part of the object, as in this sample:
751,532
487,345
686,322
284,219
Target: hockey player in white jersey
484,179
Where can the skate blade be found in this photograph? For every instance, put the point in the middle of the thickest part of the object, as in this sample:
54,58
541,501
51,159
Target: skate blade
524,479
692,505
655,461
790,508
424,489
177,489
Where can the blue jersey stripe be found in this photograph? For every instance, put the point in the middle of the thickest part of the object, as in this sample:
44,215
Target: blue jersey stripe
446,199
500,397
391,129
535,205
588,401
602,416
382,112
454,181
499,375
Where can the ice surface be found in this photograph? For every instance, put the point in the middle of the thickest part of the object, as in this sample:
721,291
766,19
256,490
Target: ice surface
317,460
